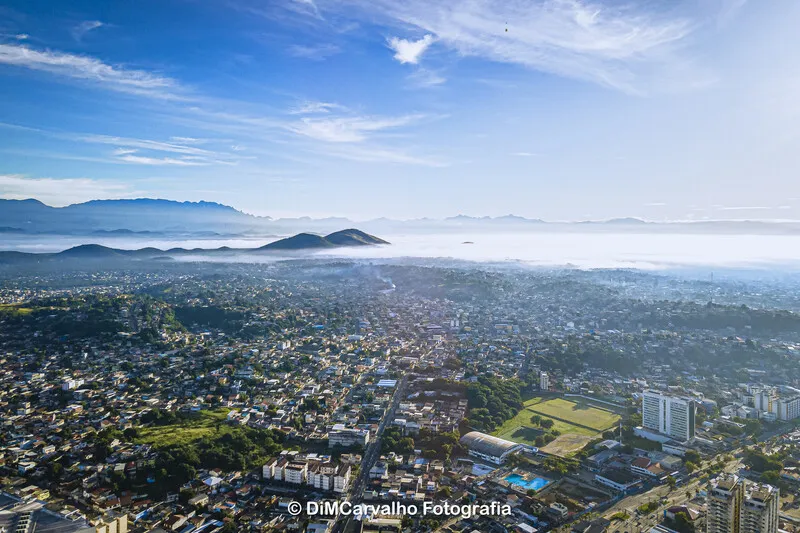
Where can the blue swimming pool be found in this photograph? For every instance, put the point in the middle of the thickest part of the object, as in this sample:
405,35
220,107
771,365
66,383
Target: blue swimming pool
536,483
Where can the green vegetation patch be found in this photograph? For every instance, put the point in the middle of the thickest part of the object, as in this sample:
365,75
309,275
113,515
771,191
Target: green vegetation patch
15,310
176,430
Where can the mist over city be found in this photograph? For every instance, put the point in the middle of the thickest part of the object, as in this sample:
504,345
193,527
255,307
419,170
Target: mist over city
407,266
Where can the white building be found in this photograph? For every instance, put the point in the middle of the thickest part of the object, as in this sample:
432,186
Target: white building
668,415
320,476
759,511
770,406
295,473
489,447
544,381
788,408
724,504
342,436
341,481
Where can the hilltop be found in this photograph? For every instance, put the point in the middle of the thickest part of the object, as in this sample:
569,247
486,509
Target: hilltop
303,241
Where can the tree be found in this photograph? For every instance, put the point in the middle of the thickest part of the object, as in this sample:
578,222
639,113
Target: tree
682,523
671,483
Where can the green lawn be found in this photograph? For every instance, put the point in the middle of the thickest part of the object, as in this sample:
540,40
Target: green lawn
577,412
569,418
204,424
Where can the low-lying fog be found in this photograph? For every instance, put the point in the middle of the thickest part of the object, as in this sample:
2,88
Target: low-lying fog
606,250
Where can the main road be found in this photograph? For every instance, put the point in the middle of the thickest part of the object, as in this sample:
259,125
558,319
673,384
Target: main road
371,454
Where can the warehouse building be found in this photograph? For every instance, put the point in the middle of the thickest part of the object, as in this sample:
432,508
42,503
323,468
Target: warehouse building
490,448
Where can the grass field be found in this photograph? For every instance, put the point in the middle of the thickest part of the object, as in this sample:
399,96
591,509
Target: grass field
569,418
204,424
578,413
566,445
15,309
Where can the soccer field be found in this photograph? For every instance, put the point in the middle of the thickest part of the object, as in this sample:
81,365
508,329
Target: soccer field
575,412
569,418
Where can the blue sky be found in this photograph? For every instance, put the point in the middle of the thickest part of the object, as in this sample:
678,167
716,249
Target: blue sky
557,109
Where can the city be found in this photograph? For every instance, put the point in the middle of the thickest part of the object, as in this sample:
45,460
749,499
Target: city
399,266
202,396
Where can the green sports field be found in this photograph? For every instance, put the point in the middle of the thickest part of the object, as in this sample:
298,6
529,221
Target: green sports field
570,417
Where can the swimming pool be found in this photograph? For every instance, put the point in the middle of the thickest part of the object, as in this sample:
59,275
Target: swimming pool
536,483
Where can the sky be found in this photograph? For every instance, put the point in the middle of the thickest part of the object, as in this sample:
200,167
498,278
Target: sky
552,109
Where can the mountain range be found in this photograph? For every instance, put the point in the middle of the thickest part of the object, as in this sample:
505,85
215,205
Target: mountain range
297,243
153,217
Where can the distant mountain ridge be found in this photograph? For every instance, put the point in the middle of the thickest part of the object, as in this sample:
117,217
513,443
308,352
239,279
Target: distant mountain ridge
145,217
134,215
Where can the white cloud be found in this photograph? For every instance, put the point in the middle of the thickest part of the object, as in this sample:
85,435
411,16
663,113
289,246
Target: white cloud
318,52
188,140
308,7
79,31
406,51
309,108
347,129
525,154
626,46
88,68
60,192
129,157
146,144
744,208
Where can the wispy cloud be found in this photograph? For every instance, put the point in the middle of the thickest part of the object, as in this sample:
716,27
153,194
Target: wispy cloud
625,46
744,208
525,154
146,144
347,129
80,30
320,122
424,78
60,192
318,52
376,154
128,156
188,140
308,7
309,108
74,66
407,51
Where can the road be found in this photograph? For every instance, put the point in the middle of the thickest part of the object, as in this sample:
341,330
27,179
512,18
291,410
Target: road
371,454
637,523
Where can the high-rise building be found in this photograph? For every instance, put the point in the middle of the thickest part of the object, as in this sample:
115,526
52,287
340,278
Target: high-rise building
736,506
788,408
668,415
762,399
544,381
725,504
759,512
